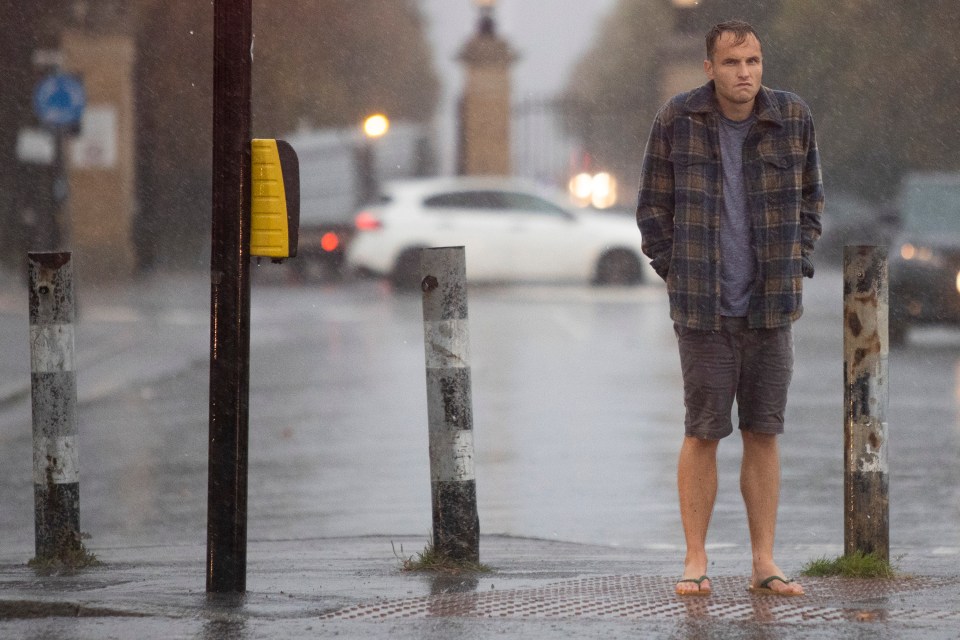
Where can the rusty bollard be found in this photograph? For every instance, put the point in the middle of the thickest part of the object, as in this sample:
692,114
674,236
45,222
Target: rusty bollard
56,475
456,525
865,398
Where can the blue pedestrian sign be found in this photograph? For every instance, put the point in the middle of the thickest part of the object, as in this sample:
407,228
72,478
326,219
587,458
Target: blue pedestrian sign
59,100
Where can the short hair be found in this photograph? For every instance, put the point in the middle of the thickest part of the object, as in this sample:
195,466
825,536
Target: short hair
740,30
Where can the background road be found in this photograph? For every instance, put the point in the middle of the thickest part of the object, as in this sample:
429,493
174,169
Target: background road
578,416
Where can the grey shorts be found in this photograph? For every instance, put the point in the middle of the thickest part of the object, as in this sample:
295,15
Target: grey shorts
753,366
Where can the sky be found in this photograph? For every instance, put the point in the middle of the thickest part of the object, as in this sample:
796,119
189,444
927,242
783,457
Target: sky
549,35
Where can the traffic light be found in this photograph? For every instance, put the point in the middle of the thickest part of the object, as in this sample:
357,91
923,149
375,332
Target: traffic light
275,199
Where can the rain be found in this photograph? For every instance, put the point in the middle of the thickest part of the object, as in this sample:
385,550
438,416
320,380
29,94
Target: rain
576,389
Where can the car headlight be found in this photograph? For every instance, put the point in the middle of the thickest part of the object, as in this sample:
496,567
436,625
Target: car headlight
958,282
909,251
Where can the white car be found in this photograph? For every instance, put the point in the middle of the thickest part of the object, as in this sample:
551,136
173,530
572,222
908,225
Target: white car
512,231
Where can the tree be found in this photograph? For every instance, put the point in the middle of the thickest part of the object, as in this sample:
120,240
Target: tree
28,210
616,88
878,75
319,63
611,95
331,63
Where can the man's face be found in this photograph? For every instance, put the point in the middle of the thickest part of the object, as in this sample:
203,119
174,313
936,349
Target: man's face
736,70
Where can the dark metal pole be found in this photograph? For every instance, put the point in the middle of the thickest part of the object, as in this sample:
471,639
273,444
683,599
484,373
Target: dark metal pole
865,351
366,172
229,299
56,475
456,526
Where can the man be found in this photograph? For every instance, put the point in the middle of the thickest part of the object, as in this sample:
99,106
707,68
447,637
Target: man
729,208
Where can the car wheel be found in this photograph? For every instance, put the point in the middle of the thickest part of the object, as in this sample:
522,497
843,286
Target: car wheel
406,270
619,266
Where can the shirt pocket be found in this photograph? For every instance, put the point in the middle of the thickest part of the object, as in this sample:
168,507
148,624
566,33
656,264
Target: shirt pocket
695,180
781,171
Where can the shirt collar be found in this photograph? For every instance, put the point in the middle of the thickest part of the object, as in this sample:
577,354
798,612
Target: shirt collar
702,100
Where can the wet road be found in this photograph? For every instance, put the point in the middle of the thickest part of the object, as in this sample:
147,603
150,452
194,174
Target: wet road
577,412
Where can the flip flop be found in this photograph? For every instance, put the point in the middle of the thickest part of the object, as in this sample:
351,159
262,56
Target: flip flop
764,588
701,591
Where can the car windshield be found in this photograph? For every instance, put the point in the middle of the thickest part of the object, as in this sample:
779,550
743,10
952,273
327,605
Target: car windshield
465,200
932,206
494,200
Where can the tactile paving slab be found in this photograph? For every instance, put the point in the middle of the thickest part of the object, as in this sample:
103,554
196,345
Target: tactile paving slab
650,597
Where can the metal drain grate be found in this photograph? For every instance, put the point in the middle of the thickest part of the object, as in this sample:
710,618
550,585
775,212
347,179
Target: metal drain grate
644,598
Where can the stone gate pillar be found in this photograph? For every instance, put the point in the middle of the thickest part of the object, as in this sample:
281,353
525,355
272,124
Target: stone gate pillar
101,159
484,115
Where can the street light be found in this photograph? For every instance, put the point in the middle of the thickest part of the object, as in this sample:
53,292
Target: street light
376,126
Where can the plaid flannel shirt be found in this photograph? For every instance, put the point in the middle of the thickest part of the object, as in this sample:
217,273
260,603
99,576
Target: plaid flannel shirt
681,197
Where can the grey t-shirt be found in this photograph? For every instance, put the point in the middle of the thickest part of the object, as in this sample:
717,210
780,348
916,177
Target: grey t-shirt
738,267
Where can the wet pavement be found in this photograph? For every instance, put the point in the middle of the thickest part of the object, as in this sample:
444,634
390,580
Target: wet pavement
355,588
577,405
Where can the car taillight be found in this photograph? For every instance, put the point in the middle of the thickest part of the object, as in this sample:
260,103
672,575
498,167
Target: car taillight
329,241
366,221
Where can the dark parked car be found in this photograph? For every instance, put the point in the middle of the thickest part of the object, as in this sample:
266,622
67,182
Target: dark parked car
925,259
851,220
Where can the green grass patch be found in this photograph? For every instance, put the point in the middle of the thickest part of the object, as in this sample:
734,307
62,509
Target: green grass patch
857,565
70,557
433,561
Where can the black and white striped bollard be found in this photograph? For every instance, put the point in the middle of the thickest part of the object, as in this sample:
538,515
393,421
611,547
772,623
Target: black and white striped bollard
456,525
56,475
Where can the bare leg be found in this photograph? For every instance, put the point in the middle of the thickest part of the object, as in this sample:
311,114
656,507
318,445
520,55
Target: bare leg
697,484
760,486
